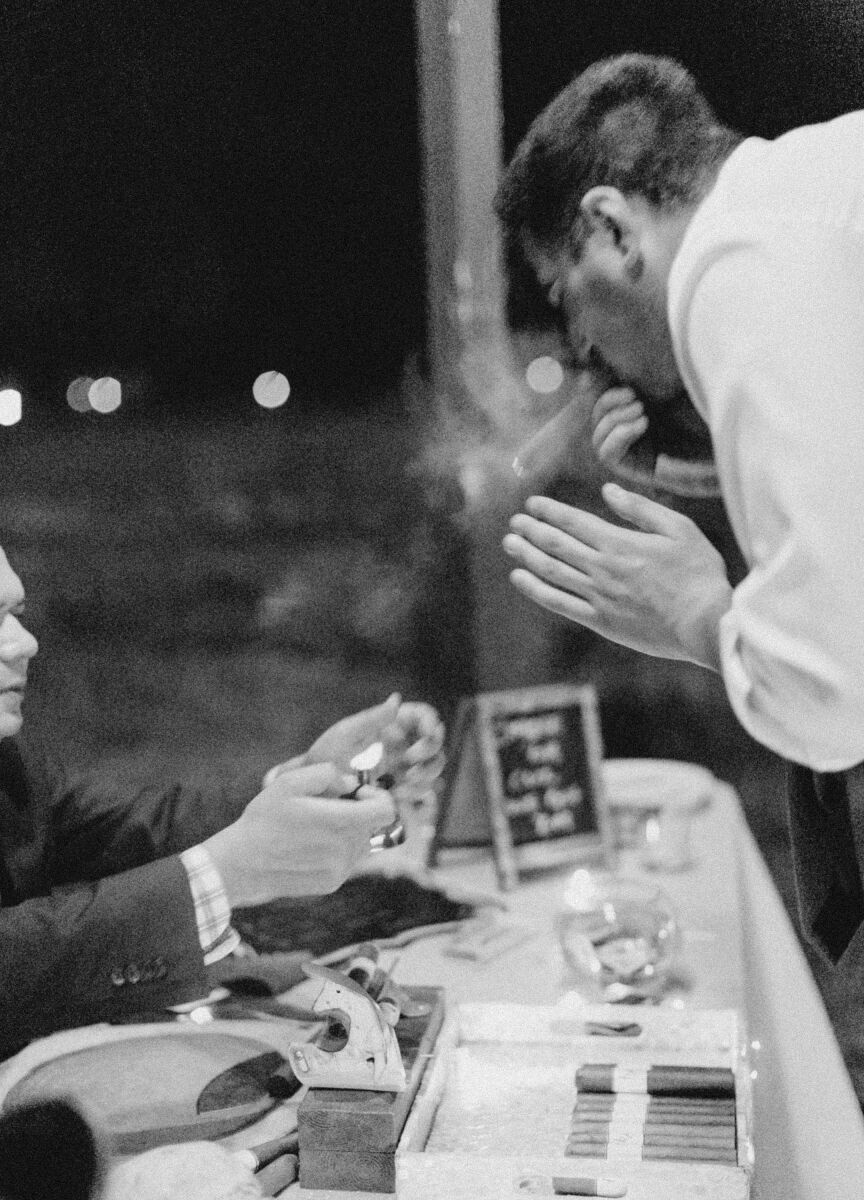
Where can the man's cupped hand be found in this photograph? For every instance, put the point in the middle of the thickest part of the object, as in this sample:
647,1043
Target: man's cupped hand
658,586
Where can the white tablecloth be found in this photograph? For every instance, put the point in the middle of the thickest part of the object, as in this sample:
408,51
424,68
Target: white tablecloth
740,950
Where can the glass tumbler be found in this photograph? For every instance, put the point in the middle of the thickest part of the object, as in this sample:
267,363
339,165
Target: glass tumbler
619,935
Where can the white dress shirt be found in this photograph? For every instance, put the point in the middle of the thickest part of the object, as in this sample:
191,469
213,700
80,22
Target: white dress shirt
766,308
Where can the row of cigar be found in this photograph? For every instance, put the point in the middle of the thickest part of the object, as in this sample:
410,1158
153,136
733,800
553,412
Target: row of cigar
660,1112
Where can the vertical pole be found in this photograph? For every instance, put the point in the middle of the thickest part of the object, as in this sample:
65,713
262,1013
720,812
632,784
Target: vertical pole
460,106
470,359
440,210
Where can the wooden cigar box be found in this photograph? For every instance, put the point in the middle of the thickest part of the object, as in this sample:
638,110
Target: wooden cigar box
489,1114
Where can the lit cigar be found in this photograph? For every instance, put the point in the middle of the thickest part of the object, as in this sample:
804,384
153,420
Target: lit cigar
550,447
364,764
553,444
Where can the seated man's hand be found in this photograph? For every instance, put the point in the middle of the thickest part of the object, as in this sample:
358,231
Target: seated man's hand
412,734
414,749
297,837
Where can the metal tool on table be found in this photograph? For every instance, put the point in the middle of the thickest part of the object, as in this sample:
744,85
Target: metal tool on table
367,1057
363,967
364,764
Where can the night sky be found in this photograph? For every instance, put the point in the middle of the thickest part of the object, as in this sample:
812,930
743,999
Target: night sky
196,192
765,65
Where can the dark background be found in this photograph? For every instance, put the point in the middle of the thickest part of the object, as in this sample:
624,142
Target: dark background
765,65
194,193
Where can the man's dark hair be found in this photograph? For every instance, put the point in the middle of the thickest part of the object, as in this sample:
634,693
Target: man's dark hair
634,122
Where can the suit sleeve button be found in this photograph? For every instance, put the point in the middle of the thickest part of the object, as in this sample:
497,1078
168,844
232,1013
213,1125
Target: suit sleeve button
160,967
117,976
133,974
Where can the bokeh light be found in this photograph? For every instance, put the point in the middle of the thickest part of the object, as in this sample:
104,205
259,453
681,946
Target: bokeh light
544,374
271,389
10,406
105,394
77,393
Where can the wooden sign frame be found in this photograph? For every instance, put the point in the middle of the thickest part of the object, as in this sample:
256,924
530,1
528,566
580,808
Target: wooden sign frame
475,801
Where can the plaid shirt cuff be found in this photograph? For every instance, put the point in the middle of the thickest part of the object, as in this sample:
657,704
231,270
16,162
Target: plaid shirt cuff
212,911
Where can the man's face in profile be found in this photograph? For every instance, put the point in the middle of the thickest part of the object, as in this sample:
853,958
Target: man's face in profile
17,647
614,323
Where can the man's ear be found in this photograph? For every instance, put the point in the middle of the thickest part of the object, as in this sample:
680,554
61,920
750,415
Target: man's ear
609,212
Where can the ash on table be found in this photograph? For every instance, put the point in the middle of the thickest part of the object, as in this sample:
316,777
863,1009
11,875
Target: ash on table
366,908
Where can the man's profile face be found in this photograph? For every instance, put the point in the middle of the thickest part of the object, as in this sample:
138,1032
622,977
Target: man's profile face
611,321
17,647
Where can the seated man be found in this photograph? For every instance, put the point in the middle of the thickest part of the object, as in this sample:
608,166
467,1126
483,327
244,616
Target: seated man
114,905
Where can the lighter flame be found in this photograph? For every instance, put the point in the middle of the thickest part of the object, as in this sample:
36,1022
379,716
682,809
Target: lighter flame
652,831
368,759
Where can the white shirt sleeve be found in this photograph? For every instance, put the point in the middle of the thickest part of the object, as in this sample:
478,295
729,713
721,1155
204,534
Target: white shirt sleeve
773,349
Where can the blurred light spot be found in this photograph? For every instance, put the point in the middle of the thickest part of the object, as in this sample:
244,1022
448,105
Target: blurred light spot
652,831
10,406
105,394
271,389
462,275
201,1016
77,393
544,374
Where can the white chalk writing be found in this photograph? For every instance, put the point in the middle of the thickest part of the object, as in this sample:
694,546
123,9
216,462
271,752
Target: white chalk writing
529,803
546,824
543,725
544,752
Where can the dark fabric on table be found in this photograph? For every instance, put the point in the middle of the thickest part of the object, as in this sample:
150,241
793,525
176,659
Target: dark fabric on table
364,909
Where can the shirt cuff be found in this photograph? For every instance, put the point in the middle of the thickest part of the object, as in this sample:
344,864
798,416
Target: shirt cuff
212,910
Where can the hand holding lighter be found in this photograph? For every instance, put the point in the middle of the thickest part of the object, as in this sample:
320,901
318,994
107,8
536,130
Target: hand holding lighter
364,764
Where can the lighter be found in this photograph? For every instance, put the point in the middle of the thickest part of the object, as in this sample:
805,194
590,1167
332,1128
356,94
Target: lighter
364,764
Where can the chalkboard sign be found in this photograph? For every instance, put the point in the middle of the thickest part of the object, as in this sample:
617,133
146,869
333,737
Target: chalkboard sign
524,775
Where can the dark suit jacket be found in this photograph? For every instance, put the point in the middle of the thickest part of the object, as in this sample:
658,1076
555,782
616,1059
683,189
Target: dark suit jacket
97,920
